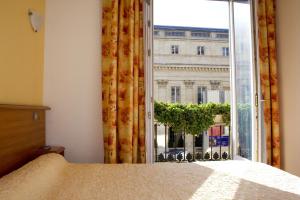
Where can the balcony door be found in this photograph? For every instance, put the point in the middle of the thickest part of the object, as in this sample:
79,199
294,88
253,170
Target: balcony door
244,91
240,93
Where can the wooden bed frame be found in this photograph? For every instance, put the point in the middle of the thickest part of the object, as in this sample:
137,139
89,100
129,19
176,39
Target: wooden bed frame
22,133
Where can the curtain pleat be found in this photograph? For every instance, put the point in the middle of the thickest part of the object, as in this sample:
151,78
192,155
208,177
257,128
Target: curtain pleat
268,77
123,92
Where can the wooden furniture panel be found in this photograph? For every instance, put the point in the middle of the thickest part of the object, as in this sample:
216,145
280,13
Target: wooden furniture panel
22,133
51,149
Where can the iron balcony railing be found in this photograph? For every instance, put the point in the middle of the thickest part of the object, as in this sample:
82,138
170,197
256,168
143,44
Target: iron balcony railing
214,145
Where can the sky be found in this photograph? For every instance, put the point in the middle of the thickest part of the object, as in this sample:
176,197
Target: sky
192,13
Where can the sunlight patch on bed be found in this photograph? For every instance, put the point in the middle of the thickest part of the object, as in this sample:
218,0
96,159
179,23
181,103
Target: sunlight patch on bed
218,186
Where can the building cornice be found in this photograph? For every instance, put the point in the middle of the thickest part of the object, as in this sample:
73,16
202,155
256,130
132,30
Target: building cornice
185,28
205,68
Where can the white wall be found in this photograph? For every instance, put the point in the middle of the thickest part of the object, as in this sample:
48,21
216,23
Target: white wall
72,78
288,40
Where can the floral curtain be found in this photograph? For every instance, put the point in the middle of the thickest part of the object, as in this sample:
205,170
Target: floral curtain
268,74
123,92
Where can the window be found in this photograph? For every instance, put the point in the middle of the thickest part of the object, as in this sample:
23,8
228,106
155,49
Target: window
175,140
199,140
221,96
175,33
171,141
200,34
225,51
172,66
174,49
218,35
175,94
156,33
200,50
202,95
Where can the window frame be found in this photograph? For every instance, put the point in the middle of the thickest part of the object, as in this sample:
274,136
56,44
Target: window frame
177,94
174,49
256,144
225,51
222,35
148,70
200,50
202,90
222,96
148,47
174,33
199,34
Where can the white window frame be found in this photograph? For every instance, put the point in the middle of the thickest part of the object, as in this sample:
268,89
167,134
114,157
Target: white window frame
203,91
256,144
225,51
177,94
149,118
148,60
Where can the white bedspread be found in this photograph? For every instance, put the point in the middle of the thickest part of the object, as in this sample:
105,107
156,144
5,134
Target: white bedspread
50,177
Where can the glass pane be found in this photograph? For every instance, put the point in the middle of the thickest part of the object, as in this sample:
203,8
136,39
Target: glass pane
173,94
243,78
177,94
222,96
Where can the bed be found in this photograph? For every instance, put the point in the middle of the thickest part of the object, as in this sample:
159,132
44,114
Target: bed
51,177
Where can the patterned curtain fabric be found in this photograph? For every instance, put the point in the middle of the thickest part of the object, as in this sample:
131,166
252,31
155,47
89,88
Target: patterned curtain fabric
123,92
268,74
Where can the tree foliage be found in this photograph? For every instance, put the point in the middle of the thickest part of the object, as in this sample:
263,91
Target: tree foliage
190,118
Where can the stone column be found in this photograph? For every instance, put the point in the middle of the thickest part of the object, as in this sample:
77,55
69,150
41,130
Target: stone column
162,90
189,98
205,142
189,91
162,95
213,92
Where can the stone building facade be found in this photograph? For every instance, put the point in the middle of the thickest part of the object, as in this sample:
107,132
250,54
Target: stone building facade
191,65
200,61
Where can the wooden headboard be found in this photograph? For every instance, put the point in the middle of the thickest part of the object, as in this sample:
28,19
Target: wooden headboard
22,132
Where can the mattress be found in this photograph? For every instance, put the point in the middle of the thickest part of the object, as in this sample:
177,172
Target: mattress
51,177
